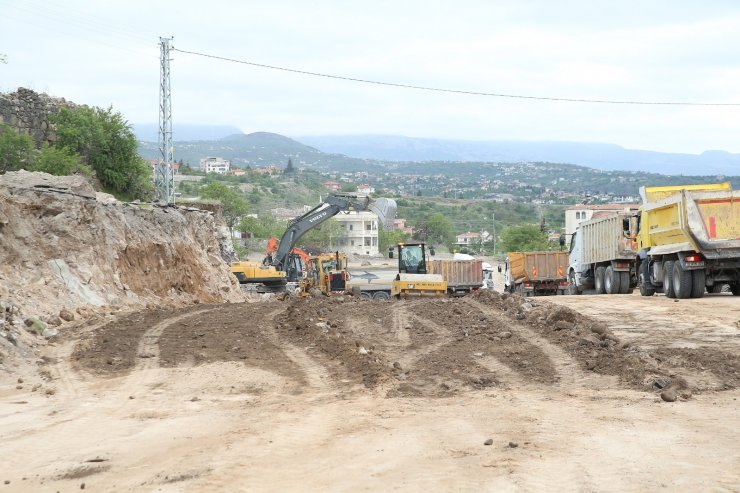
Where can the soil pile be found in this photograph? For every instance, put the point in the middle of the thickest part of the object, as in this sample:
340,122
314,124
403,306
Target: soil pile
67,252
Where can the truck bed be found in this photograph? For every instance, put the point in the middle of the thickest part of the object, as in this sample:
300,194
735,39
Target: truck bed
538,266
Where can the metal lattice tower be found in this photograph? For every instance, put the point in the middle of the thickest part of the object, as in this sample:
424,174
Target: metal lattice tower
164,175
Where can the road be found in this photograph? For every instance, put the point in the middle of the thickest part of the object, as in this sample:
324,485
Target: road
345,394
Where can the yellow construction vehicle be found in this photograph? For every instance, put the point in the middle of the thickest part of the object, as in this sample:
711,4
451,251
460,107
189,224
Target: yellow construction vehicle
689,240
282,270
413,278
326,273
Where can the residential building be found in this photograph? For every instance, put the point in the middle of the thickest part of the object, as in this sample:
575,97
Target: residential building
365,189
468,239
359,233
576,214
215,165
332,185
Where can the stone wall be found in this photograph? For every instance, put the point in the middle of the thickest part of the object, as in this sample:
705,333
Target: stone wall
28,112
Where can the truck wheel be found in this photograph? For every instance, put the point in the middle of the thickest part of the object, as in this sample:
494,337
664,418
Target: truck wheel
572,286
698,283
365,295
624,283
599,281
681,281
645,289
668,279
612,281
381,296
716,288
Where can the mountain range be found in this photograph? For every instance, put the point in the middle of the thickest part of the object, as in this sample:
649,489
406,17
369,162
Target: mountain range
194,142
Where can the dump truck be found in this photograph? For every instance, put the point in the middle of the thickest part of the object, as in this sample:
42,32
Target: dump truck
536,273
462,276
603,253
689,240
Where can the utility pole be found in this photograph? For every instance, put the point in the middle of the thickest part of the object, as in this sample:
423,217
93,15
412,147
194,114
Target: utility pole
493,220
164,175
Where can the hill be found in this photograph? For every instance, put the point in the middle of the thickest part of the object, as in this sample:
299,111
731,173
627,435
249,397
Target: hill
595,155
149,132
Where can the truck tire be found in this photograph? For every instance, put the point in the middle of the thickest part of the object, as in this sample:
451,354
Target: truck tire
643,279
599,280
572,286
715,288
366,295
698,283
668,279
612,281
682,281
381,296
624,283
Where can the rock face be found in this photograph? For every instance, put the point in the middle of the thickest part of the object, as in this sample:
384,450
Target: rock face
63,249
28,112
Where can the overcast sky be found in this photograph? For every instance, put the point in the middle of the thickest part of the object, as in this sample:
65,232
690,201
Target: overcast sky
107,53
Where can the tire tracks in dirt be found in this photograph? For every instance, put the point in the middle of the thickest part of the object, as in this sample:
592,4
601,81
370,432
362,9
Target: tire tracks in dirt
317,377
568,372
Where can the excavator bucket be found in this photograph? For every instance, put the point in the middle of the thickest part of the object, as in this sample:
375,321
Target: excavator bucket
385,209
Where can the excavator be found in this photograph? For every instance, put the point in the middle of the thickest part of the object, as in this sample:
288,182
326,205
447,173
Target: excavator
282,270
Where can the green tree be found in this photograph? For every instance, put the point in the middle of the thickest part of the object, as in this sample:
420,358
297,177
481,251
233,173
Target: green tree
390,239
326,235
290,168
349,187
60,161
262,227
107,144
439,229
16,150
523,238
234,205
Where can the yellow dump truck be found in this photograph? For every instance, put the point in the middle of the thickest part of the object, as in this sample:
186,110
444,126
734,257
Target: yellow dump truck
536,273
689,240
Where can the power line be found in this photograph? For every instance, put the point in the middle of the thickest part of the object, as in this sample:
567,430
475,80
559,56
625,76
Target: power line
454,91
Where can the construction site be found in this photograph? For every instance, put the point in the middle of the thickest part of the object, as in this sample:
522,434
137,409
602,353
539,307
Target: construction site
131,360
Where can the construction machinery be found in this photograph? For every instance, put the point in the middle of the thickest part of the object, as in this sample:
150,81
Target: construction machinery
536,273
325,274
603,253
689,240
281,270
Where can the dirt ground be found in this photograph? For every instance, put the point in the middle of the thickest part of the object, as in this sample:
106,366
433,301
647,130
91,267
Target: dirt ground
483,393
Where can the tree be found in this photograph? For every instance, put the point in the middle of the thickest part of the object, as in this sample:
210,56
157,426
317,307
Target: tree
289,168
60,161
107,144
390,239
16,150
439,229
324,235
234,205
523,238
349,187
262,227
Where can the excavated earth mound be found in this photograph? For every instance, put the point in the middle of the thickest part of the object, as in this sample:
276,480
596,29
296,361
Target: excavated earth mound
418,347
67,253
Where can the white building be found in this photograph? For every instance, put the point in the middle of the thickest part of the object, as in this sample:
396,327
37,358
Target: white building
215,165
576,214
359,233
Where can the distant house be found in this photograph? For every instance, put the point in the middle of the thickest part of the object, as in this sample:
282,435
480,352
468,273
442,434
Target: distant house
237,172
365,189
269,170
576,214
467,239
400,225
215,165
332,185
